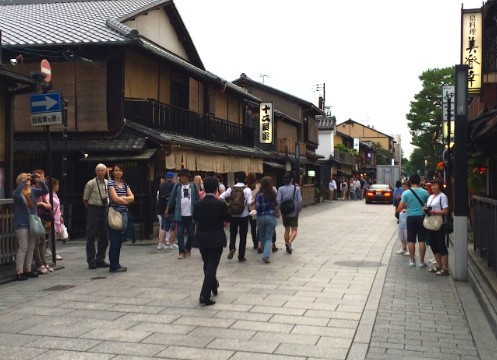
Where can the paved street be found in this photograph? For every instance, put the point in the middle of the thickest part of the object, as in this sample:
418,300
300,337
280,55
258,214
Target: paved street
342,294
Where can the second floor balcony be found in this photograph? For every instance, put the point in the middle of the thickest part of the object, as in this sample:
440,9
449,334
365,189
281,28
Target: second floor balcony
344,157
289,146
164,117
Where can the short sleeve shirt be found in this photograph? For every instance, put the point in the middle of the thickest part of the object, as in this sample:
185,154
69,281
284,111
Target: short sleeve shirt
92,195
414,208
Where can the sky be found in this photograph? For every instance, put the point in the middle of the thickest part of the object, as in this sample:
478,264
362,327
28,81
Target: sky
369,54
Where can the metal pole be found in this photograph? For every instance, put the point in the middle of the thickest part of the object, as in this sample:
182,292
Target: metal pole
50,191
64,164
460,270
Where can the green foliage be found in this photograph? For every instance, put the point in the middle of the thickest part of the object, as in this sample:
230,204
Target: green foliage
345,149
383,156
425,118
416,163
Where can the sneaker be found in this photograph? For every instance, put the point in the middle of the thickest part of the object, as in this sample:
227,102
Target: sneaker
161,246
49,268
58,257
422,265
406,253
412,263
400,251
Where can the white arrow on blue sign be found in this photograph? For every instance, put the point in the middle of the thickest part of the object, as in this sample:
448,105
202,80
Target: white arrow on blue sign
42,103
46,109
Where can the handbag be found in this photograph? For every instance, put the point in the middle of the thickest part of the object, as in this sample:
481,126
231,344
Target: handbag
36,228
433,222
115,219
63,234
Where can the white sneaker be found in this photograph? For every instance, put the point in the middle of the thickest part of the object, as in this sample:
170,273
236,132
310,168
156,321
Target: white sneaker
58,257
422,265
400,251
406,253
161,246
412,263
432,261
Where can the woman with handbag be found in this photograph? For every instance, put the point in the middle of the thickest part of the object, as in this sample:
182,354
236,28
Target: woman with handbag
438,205
121,197
25,205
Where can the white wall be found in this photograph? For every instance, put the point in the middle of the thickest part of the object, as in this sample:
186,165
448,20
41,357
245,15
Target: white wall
326,143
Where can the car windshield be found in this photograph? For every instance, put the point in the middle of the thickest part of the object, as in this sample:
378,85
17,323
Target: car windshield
379,187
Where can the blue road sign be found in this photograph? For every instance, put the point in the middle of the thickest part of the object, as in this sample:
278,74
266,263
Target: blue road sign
44,103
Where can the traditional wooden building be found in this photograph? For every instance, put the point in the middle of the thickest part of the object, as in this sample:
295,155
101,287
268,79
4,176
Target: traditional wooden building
137,93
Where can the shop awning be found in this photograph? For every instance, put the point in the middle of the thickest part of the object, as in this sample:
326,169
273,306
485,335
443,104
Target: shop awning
274,165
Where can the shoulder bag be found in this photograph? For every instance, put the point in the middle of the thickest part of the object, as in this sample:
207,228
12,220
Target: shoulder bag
115,218
431,222
36,228
288,206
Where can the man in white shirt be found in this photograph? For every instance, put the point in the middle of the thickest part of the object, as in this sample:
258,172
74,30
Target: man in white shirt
239,221
332,186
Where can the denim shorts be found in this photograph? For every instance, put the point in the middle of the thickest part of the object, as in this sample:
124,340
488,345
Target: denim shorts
167,223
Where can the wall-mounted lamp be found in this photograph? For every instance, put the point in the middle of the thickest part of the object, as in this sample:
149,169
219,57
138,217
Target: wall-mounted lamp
19,59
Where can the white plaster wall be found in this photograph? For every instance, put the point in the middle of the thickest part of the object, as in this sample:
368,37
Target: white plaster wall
155,26
326,143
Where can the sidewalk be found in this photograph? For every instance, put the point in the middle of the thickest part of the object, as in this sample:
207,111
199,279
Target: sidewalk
342,294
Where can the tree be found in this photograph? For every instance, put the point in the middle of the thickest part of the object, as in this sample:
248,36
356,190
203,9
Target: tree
425,118
383,156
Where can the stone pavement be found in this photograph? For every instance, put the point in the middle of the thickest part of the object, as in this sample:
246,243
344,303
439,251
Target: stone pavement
342,294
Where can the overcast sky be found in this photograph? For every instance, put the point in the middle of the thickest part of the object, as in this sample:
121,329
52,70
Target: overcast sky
369,54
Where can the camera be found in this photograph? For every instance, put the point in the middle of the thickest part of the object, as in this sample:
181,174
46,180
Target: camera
34,177
427,209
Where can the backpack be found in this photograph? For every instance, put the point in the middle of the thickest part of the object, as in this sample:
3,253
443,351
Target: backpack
165,191
288,206
236,204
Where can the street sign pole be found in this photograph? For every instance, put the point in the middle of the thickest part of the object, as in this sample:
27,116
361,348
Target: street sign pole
64,164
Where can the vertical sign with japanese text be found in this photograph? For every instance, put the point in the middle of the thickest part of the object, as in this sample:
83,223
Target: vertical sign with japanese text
471,47
448,95
266,112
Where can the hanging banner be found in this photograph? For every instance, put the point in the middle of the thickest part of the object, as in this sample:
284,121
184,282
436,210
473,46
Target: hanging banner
471,47
266,122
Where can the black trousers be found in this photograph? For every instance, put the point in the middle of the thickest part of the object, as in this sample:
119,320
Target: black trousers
211,259
96,227
242,223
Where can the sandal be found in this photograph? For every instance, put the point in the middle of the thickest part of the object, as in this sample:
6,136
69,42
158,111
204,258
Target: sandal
43,270
434,270
443,272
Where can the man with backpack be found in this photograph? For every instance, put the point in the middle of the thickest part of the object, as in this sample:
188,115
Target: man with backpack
166,231
289,200
238,197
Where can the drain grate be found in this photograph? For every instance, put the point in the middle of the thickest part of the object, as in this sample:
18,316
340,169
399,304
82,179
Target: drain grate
59,287
98,278
359,263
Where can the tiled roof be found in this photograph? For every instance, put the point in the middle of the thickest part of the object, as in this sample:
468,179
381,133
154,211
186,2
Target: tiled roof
211,146
28,23
326,122
84,145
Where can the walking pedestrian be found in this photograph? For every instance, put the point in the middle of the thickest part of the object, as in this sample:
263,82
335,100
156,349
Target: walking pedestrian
95,198
121,197
167,236
254,186
289,192
332,186
209,215
267,212
344,188
180,206
238,197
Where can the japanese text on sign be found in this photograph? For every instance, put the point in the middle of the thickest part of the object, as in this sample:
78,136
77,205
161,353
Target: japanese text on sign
471,51
54,118
266,123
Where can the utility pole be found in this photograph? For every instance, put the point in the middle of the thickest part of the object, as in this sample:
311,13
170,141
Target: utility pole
263,76
322,100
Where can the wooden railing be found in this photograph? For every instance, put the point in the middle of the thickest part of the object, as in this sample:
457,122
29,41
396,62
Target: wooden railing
485,228
289,146
344,157
8,242
165,117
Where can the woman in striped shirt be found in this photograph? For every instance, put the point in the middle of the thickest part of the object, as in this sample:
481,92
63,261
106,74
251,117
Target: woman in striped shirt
120,197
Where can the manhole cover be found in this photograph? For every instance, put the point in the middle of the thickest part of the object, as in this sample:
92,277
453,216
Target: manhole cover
98,278
353,263
59,287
